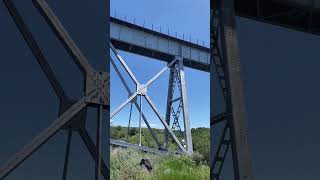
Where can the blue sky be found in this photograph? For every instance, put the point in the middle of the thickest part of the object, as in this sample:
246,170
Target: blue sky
177,16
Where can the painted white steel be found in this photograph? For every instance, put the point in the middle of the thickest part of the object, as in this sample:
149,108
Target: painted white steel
157,43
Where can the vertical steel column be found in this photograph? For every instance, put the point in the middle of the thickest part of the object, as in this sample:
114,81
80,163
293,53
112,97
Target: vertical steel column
99,142
185,109
92,148
140,116
129,121
169,104
66,159
223,11
106,144
212,91
239,134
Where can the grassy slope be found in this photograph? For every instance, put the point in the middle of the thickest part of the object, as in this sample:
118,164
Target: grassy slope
125,165
200,138
125,162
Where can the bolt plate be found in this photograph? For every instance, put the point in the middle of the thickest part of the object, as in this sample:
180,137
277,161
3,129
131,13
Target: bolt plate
97,88
144,89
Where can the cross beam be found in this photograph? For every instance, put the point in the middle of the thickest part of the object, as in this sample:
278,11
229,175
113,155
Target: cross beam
72,113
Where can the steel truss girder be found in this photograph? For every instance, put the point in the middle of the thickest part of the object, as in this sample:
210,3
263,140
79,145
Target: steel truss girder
226,64
72,114
142,92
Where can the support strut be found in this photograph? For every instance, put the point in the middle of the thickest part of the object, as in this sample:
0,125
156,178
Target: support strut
226,64
176,78
72,113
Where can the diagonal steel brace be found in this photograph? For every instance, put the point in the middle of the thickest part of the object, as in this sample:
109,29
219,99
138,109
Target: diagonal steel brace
44,136
135,103
142,88
68,111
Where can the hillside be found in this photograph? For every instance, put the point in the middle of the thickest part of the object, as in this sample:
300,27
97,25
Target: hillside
200,138
125,166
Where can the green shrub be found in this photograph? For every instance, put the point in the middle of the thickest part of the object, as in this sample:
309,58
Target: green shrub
125,166
200,138
181,168
197,158
133,131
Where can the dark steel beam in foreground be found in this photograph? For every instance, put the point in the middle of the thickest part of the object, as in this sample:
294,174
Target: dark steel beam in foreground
99,137
34,47
221,153
72,114
227,66
236,101
93,152
66,159
63,35
299,15
43,137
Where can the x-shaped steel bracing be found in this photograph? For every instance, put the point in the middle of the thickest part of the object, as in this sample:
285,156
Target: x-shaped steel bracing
72,113
142,92
174,80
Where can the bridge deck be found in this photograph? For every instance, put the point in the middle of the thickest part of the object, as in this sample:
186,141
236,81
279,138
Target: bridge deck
301,15
139,40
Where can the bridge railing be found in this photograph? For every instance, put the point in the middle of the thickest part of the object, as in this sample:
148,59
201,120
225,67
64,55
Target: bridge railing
160,29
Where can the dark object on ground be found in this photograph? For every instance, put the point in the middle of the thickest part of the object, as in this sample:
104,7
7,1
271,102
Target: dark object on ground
146,163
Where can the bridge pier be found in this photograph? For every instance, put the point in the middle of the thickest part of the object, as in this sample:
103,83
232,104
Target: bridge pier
177,79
